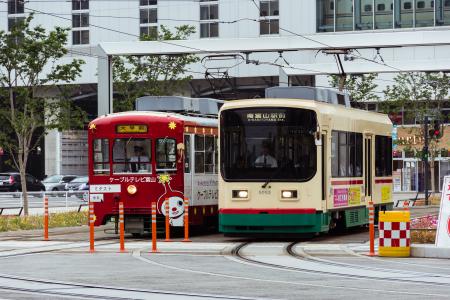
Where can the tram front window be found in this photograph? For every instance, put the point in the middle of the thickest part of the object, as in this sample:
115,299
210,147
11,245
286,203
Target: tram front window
275,144
132,155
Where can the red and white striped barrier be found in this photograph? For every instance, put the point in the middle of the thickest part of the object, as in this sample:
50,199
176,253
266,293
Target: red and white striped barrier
394,234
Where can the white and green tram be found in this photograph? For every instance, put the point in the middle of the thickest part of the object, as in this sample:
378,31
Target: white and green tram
301,166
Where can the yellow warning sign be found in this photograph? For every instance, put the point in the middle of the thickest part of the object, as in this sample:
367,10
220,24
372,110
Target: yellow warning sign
386,195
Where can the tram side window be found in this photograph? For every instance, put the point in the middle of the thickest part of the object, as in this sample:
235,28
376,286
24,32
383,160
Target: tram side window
205,154
132,155
166,154
101,156
199,147
346,154
209,154
187,154
383,156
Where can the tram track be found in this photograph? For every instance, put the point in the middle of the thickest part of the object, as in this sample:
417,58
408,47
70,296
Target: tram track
236,252
89,291
271,280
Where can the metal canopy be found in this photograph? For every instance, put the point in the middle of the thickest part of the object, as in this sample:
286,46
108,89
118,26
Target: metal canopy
347,40
352,40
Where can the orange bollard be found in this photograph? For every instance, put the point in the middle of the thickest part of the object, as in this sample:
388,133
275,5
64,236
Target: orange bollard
46,218
121,228
371,228
91,227
154,248
167,222
186,220
406,205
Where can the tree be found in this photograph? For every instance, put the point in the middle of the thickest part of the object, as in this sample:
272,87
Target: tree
151,74
30,67
416,95
360,87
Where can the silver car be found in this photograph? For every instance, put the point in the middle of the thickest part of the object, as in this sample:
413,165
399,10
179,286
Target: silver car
57,182
76,183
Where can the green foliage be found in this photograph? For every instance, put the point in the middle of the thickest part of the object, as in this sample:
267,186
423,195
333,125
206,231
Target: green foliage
30,70
419,93
67,219
151,74
360,87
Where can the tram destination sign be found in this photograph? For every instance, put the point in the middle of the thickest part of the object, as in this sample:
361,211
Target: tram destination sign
266,117
136,128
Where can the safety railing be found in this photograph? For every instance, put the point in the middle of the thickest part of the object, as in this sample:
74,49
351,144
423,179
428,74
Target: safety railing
12,202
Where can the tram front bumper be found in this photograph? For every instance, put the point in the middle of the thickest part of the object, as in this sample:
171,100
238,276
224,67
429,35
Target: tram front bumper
272,221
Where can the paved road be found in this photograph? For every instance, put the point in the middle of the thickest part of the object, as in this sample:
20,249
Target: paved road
212,266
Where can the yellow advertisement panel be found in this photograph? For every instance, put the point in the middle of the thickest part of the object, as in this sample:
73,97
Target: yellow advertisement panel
386,195
354,195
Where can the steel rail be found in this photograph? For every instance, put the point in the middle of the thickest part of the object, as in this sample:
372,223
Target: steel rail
236,252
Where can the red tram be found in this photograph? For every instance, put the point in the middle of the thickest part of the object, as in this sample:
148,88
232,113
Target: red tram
142,157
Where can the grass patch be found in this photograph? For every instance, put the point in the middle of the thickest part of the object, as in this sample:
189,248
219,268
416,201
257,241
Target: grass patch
66,219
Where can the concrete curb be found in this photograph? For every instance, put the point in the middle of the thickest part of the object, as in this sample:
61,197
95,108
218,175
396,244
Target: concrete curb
429,251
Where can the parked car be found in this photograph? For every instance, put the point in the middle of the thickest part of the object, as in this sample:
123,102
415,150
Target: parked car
57,182
76,183
10,182
84,187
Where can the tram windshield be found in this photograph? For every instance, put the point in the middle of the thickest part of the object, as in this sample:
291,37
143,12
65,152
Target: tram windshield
261,144
132,155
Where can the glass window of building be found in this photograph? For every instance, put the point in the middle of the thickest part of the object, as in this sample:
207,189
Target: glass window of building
363,15
424,13
344,15
80,23
269,27
80,20
403,14
383,14
80,4
148,15
269,8
80,37
151,31
209,17
148,2
15,7
269,17
442,12
13,21
325,15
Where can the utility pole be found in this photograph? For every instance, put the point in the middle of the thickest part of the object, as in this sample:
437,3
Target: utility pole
425,159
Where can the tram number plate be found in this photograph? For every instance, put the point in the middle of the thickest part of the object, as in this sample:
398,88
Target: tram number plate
264,192
96,197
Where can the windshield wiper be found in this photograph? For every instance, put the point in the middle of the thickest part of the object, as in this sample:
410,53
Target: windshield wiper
273,175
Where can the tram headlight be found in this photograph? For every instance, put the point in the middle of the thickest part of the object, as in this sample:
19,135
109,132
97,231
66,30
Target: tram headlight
288,194
242,194
131,189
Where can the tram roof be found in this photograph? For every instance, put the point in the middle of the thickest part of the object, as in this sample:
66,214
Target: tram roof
320,107
145,116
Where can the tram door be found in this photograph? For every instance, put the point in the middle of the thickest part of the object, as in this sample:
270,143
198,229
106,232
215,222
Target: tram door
368,166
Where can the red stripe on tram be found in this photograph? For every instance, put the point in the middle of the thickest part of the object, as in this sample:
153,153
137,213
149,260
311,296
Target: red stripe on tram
383,180
269,211
347,182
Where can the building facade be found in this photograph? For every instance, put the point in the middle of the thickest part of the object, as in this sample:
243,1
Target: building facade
94,21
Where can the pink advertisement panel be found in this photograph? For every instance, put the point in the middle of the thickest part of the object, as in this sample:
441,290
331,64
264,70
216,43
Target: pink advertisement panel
340,197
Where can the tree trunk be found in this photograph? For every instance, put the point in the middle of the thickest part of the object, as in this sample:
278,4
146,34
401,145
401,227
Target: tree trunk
23,183
432,177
